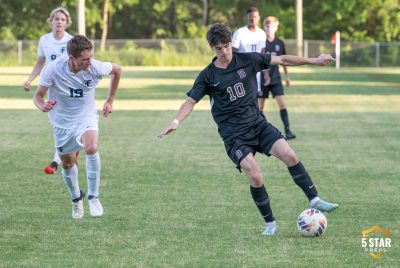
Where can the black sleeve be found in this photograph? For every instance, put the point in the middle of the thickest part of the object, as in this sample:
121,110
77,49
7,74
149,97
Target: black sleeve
260,61
200,87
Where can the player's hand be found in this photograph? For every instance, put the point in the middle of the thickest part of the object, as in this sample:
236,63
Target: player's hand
26,85
287,82
267,79
323,59
107,109
48,106
172,127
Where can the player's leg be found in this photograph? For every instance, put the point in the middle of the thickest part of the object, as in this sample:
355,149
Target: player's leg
260,196
285,153
70,175
280,99
262,94
93,168
52,167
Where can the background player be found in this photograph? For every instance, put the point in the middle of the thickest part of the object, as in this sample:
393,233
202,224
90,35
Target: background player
51,46
71,82
230,81
271,80
250,38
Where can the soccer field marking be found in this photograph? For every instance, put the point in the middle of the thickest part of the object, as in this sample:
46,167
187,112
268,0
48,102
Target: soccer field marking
298,103
17,80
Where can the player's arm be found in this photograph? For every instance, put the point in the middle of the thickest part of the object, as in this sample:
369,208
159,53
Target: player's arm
38,99
185,110
290,60
35,72
114,82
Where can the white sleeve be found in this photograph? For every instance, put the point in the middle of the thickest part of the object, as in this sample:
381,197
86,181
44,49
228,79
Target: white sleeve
236,40
101,68
46,79
263,40
40,49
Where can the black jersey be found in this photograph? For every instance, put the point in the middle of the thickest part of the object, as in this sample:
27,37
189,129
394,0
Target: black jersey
275,48
233,92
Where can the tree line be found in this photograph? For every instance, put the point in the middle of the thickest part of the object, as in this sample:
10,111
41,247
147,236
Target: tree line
358,20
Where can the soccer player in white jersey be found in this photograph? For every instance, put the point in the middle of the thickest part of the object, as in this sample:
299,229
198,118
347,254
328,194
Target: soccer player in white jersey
71,81
51,46
250,38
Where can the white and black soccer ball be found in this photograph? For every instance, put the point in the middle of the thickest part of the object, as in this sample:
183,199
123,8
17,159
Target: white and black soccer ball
312,222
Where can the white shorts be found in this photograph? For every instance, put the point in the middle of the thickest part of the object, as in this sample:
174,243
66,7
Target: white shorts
70,140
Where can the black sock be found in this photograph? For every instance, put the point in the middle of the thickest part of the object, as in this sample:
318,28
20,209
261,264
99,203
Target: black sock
303,180
285,119
261,200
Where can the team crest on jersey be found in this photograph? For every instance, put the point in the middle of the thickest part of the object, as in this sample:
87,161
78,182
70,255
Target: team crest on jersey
60,149
242,73
239,154
277,47
87,83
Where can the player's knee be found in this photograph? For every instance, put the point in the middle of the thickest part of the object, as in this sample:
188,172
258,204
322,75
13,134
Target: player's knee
67,164
291,158
91,149
256,179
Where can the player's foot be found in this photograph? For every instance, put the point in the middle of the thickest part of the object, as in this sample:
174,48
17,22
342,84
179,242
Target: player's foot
290,135
95,207
322,205
52,168
271,228
77,206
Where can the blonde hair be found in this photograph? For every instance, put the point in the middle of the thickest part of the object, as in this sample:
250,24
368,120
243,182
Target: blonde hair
62,10
271,20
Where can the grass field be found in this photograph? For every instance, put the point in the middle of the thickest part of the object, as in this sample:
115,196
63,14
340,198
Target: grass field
179,201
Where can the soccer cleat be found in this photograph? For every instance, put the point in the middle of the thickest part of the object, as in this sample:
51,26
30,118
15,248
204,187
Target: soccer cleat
95,207
52,168
77,206
271,229
290,135
323,206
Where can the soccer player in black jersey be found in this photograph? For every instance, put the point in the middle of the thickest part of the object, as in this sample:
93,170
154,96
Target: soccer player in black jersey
230,82
271,81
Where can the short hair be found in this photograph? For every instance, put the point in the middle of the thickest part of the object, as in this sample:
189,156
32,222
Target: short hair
252,9
271,20
61,10
218,34
78,44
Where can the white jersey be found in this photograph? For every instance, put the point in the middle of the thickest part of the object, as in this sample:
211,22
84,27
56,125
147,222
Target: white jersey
51,48
74,93
247,41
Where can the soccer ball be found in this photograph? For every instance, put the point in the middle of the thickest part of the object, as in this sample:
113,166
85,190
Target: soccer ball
311,222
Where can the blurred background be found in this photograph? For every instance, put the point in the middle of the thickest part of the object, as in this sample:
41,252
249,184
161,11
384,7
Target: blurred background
172,32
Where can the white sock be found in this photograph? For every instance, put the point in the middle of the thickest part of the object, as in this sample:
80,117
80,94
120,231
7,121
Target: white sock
314,200
93,166
71,181
56,157
271,223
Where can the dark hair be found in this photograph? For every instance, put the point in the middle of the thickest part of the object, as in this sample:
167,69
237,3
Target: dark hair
218,34
78,44
252,9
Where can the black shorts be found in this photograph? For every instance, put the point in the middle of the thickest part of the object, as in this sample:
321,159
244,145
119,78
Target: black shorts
275,89
260,139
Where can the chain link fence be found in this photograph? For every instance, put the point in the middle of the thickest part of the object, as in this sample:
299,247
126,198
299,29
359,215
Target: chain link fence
196,52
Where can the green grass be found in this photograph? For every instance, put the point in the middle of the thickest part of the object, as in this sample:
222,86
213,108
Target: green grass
179,201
